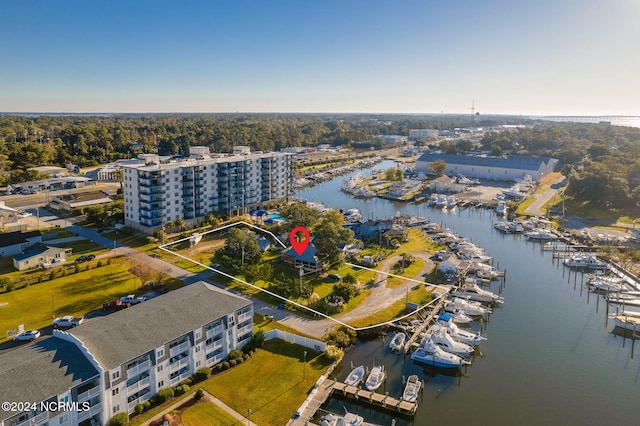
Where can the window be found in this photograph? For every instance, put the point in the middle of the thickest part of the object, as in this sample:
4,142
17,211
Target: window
115,375
63,419
115,391
198,364
116,409
160,353
160,368
160,384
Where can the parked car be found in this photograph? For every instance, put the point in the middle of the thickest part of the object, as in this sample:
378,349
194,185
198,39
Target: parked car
23,214
115,305
133,299
27,336
336,277
81,259
67,322
91,257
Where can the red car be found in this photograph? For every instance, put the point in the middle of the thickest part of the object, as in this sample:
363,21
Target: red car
115,305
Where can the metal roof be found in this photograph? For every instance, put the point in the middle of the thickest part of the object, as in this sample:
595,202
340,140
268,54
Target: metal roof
522,162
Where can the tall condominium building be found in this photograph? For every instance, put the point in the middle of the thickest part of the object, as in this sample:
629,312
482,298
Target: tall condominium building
160,190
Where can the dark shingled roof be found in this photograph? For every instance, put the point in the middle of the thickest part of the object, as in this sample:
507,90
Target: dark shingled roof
34,250
42,369
124,335
523,162
18,237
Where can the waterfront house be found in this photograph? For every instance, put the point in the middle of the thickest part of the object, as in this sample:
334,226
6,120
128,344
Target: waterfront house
307,260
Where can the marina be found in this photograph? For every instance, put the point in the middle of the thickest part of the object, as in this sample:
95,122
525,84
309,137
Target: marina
552,338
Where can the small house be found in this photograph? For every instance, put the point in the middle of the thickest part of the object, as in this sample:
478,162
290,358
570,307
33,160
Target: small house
307,259
40,254
12,243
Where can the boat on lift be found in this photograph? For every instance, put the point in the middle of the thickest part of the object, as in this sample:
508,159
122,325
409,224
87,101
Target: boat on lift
473,292
470,307
457,315
445,324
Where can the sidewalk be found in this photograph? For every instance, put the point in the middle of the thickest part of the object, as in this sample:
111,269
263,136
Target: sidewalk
241,419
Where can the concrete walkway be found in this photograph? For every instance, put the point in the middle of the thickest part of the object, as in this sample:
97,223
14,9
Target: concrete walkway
207,396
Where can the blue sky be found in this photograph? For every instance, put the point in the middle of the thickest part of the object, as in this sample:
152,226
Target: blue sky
570,57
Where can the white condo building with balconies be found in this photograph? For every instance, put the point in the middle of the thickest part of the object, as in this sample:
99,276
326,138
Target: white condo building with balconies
159,190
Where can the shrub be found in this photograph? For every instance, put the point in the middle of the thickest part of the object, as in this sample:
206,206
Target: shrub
239,360
225,365
233,362
180,389
198,395
164,395
120,419
147,404
188,381
247,356
99,264
52,275
202,374
235,354
139,408
10,287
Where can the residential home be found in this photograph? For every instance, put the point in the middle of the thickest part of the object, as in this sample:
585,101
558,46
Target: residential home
307,260
41,254
12,243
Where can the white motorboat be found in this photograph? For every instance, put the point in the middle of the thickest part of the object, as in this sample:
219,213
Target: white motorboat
352,216
470,307
433,355
624,299
441,201
501,209
516,228
457,315
539,235
473,292
376,377
445,324
474,256
501,226
451,202
445,341
433,199
349,419
397,343
356,376
412,388
463,180
583,260
628,321
487,274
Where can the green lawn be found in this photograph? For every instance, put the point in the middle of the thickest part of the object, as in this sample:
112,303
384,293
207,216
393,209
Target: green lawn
74,294
272,402
410,272
206,414
419,294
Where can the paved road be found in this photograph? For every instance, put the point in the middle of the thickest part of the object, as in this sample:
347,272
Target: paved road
541,199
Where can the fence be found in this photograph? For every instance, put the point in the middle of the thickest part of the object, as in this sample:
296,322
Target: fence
316,345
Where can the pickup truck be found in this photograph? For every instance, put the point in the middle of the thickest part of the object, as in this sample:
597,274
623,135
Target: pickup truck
133,299
115,305
67,322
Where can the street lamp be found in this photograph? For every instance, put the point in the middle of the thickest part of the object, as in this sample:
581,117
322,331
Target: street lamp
304,366
301,274
249,418
53,311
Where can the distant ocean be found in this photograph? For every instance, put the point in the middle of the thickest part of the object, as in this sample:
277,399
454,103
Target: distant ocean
629,121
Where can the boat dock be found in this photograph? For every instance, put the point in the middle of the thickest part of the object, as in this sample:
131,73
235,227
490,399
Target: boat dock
424,324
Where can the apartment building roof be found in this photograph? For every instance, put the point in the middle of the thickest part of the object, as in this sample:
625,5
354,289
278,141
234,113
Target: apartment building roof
40,370
127,334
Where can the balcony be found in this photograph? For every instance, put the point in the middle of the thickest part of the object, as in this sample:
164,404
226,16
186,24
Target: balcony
244,330
138,369
39,419
245,316
94,410
91,393
215,331
184,362
140,384
179,348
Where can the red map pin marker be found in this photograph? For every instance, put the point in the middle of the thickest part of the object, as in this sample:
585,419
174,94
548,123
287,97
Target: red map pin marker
299,246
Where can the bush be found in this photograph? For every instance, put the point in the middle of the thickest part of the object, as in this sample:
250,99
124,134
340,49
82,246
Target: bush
164,395
180,389
225,365
146,404
198,395
235,354
202,374
188,381
99,264
120,419
10,287
233,362
139,408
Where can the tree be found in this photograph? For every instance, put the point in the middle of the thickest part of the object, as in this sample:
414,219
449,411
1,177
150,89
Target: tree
329,236
241,249
140,268
120,419
344,290
299,214
261,271
438,167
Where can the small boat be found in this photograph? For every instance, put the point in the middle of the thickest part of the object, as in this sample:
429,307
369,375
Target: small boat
457,315
628,321
412,388
397,343
469,307
473,292
501,226
539,235
445,341
583,260
441,201
376,377
463,180
501,209
445,324
349,419
433,355
356,376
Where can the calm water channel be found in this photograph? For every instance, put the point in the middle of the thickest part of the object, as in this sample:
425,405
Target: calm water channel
550,357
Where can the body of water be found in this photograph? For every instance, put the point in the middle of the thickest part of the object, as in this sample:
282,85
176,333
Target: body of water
549,359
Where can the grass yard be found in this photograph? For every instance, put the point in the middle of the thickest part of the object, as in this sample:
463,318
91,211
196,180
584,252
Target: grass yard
272,402
260,323
74,294
206,414
419,294
410,272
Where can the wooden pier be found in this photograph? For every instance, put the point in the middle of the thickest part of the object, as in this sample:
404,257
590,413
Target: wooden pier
373,398
425,324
